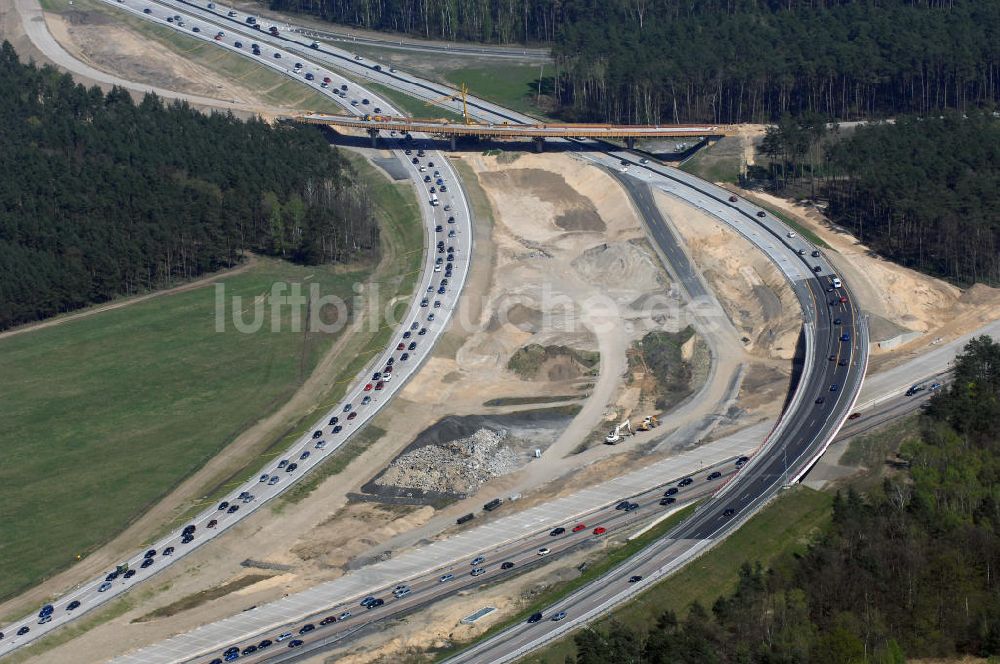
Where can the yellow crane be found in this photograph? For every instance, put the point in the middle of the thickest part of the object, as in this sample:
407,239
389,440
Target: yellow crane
463,91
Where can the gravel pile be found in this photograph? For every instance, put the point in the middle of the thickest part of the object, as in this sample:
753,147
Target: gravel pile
459,466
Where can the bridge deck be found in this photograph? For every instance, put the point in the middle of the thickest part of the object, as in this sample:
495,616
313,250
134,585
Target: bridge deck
442,127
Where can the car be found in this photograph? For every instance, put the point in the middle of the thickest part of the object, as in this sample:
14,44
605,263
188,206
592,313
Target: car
147,10
671,491
600,530
351,416
375,604
622,505
282,637
274,480
791,235
46,619
846,336
728,512
534,617
170,19
223,505
72,606
344,616
318,433
854,416
733,199
344,88
104,587
130,573
635,579
169,551
477,571
187,539
277,56
338,429
543,551
801,252
557,531
25,629
834,387
714,475
298,65
357,57
46,610
478,560
559,616
266,643
328,620
687,481
935,387
424,302
265,477
430,164
304,455
217,660
430,317
320,444
364,101
832,358
412,346
669,500
379,385
238,44
234,508
190,528
295,643
742,459
507,565
815,253
150,553
282,463
445,577
347,407
820,401
817,269
308,627
578,527
761,214
367,600
195,28
291,467
213,523
843,299
451,233
422,331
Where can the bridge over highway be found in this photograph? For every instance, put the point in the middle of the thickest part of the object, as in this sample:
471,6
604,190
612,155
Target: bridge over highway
373,124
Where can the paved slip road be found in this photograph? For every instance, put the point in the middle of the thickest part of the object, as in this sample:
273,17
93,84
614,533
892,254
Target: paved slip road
423,323
810,427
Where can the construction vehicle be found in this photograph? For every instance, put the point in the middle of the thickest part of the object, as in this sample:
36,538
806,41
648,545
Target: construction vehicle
619,433
462,93
649,422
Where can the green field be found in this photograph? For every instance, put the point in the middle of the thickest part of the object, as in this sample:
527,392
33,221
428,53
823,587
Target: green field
106,414
411,106
268,85
513,86
717,163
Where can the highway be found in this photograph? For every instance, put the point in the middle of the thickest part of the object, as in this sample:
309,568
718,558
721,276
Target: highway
423,323
800,436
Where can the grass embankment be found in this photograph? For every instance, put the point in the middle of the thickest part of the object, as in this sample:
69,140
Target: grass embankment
527,361
513,86
268,85
660,355
108,413
411,106
595,567
784,527
802,230
717,163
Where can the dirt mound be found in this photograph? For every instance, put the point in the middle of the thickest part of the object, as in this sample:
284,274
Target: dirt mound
456,467
979,295
620,265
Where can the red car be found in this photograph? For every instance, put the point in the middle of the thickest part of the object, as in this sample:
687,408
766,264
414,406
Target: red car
352,415
368,387
854,416
732,199
578,527
600,531
326,79
212,523
379,385
401,347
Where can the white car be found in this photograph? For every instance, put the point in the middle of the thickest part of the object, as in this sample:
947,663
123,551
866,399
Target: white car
791,234
544,551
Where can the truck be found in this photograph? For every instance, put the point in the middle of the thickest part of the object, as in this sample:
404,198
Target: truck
434,199
463,519
493,504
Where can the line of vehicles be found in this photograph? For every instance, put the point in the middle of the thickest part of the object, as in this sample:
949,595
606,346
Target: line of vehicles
563,539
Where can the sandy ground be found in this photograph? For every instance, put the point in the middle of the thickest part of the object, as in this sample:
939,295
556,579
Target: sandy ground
899,300
754,295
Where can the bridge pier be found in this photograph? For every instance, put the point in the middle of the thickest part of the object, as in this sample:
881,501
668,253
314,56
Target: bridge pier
539,143
452,140
374,134
630,142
